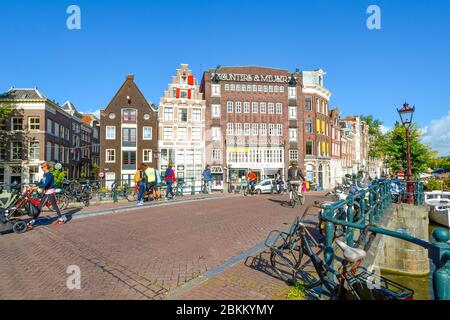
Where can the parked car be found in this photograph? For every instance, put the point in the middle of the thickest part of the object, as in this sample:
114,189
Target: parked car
264,186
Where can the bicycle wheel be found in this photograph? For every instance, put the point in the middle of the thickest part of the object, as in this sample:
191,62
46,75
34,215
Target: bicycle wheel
306,272
285,261
63,201
294,199
302,199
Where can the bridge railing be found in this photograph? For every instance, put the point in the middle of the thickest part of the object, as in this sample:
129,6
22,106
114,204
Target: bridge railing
364,211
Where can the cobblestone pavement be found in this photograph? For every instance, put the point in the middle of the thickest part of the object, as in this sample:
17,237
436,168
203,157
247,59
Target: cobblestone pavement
141,254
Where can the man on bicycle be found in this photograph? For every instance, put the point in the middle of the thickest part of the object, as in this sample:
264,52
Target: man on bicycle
295,175
251,179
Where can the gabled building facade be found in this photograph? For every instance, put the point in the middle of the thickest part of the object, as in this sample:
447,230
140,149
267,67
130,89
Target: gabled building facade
128,134
39,130
182,126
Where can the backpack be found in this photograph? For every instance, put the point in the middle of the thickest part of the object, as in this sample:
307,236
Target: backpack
137,176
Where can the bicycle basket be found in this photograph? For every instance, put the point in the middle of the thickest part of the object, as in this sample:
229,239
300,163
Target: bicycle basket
370,286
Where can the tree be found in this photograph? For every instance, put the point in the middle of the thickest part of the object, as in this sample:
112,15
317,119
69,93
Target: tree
395,150
376,136
58,176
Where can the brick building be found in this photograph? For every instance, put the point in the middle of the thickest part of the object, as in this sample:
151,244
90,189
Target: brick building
253,120
128,133
182,126
38,130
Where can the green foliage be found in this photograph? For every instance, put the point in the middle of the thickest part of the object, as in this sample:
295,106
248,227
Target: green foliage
395,150
443,163
438,185
298,292
5,112
58,176
376,136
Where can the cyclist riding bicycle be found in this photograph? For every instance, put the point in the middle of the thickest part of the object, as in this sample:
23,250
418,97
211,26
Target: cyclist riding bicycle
295,175
251,179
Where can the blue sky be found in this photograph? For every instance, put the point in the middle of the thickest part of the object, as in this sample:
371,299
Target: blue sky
368,71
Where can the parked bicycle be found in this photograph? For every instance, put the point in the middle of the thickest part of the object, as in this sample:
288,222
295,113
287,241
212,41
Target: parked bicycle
350,281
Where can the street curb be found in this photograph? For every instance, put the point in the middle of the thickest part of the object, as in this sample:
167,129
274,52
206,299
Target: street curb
185,288
88,214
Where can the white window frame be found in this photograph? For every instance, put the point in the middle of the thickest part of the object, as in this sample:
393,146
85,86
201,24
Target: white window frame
292,93
194,136
230,131
271,108
34,124
247,130
255,107
238,131
292,134
196,115
229,106
263,129
279,130
114,131
238,107
38,150
246,107
168,113
147,157
215,133
143,133
167,130
182,137
292,113
107,151
279,108
215,111
215,90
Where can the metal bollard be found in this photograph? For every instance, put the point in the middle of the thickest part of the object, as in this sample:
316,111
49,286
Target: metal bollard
114,192
192,186
441,259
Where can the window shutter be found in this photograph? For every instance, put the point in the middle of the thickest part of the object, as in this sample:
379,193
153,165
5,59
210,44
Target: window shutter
178,93
191,80
189,93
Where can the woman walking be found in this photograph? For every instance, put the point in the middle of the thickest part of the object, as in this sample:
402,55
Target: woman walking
48,184
169,176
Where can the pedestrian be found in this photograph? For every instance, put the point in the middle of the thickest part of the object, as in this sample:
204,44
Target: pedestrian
169,177
158,185
151,180
140,178
48,184
207,178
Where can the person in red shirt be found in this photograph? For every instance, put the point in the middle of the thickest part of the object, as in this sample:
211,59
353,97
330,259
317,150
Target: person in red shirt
251,179
169,177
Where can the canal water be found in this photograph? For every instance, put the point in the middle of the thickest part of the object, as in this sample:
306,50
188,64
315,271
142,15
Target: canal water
422,286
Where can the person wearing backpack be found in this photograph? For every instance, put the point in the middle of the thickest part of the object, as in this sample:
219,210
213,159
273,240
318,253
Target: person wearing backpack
140,178
169,176
151,180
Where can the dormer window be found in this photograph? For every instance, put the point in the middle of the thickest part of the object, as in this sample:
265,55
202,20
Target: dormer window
129,116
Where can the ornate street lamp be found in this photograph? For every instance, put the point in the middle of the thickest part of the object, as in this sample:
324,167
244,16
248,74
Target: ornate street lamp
406,115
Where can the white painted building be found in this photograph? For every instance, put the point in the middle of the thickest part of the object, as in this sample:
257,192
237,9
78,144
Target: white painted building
182,126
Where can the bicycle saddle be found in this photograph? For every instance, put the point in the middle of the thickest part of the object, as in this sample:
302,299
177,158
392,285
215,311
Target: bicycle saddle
351,254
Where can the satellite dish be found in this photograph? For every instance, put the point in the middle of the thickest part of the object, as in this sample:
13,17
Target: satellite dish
58,166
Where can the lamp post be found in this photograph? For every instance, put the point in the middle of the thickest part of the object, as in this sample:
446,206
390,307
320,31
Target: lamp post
406,115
